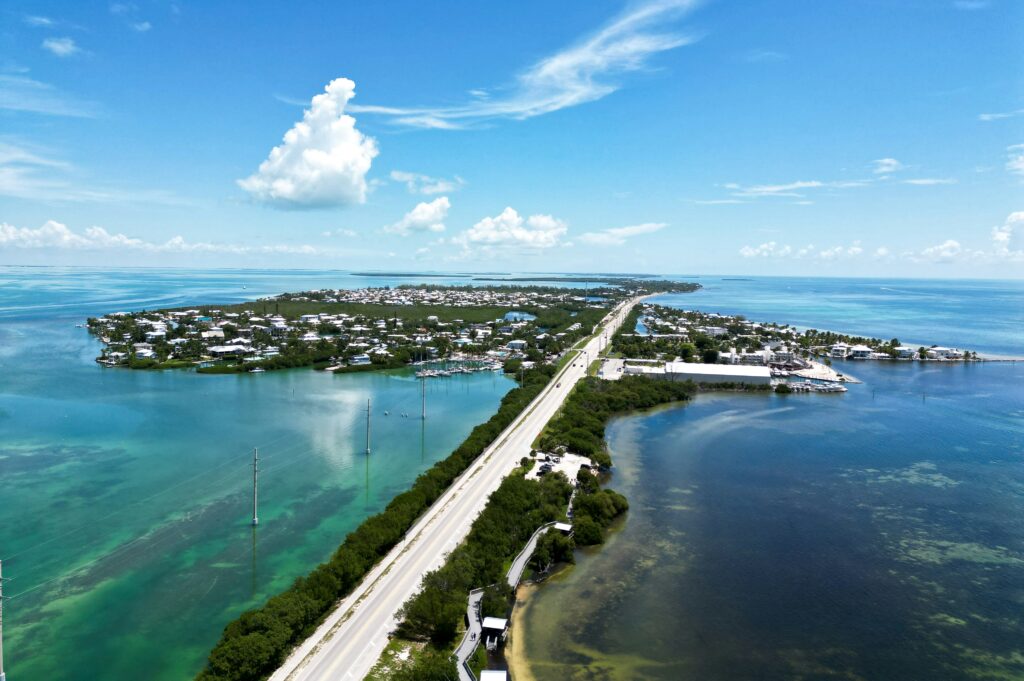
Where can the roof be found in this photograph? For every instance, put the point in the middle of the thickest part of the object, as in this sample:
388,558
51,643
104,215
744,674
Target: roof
493,675
734,370
563,527
495,623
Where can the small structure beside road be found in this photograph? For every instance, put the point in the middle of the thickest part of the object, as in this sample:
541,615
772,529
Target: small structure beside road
702,373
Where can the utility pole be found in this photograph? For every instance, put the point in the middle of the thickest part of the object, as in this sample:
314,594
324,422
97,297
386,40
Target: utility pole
423,394
255,487
3,677
368,428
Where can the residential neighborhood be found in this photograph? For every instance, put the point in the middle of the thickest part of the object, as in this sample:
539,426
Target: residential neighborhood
343,330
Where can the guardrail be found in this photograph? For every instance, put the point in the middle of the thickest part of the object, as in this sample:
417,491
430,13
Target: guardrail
473,605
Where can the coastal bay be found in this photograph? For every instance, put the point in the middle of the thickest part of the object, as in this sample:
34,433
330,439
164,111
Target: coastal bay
870,535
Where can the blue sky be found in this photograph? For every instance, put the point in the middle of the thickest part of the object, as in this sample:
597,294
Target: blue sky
869,137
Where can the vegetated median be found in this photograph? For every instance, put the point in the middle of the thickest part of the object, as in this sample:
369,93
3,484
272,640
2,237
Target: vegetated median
258,641
515,511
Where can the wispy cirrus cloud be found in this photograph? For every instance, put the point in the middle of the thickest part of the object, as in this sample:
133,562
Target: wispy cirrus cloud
61,47
788,189
987,117
417,183
21,93
37,21
33,173
930,181
799,190
617,236
763,56
582,73
1015,159
884,166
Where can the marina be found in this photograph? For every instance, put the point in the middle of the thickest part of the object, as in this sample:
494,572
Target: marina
456,367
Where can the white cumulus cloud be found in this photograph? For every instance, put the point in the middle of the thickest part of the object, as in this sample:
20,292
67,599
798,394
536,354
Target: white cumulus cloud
1008,238
948,251
425,217
772,249
509,230
323,159
616,236
56,235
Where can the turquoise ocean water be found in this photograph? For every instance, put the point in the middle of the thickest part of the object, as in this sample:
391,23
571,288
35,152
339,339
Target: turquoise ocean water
124,495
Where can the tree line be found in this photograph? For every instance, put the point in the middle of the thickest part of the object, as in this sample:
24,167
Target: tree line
515,511
580,425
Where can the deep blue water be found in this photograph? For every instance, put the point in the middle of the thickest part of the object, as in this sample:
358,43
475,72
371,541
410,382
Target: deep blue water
876,534
985,316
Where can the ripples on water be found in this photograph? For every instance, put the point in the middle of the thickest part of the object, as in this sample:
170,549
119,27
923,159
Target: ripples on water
871,535
125,504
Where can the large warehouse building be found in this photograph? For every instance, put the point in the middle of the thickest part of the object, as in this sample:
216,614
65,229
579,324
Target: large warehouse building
703,373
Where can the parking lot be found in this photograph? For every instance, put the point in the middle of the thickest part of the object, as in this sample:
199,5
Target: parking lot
569,464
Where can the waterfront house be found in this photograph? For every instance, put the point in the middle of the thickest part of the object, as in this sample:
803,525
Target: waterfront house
905,352
939,352
359,360
840,351
860,352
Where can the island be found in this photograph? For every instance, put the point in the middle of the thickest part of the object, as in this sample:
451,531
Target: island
344,330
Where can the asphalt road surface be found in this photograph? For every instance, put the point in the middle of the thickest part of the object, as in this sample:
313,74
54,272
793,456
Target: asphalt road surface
348,643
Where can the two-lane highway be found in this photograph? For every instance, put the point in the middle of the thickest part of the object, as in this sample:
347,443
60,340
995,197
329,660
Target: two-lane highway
349,642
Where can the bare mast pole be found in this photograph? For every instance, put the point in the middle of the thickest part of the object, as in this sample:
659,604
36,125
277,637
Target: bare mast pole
3,677
255,487
367,425
423,394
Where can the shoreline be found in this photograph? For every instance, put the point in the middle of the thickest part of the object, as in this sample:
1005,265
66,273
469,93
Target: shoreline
516,658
